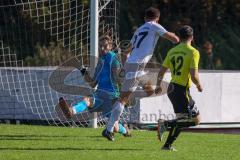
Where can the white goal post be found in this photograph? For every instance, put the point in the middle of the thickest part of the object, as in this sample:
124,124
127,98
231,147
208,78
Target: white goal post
94,25
37,38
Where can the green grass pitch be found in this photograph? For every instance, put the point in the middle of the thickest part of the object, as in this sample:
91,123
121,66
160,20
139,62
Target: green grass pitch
21,142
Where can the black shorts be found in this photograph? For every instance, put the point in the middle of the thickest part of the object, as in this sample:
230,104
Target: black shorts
181,100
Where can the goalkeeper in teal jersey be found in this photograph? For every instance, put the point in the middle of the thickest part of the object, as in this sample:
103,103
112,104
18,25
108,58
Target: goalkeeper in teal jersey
106,79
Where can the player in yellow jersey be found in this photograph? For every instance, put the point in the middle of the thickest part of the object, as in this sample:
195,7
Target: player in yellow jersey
182,61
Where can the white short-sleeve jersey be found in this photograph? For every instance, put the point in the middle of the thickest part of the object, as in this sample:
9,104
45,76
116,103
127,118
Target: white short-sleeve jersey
144,41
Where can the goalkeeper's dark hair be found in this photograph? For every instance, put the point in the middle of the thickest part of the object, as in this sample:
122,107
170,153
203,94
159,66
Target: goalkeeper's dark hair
185,32
152,13
106,38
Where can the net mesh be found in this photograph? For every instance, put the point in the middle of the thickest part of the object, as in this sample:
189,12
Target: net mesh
37,36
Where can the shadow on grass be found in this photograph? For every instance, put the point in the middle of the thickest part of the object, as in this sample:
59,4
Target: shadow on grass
70,149
32,135
94,136
54,136
47,137
21,139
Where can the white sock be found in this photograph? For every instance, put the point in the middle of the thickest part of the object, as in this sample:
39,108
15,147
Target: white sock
74,111
115,115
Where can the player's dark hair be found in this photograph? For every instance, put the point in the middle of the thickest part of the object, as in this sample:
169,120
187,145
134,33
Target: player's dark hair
106,38
152,13
185,32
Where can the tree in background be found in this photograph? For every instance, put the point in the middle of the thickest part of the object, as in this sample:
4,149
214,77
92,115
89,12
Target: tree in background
215,21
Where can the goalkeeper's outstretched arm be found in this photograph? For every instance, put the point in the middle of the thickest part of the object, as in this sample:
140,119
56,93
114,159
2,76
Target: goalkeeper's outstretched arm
88,78
126,53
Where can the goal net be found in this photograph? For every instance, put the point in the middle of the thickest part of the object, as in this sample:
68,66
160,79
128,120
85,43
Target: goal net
37,37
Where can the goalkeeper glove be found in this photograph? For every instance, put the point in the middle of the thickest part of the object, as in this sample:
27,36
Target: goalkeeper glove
83,71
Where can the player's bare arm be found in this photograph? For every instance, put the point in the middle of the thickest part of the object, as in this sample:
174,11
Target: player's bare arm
171,37
195,78
161,74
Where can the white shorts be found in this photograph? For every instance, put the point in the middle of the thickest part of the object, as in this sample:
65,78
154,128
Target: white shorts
132,74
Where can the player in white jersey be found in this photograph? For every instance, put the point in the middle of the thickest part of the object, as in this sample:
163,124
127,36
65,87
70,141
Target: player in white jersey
142,47
144,41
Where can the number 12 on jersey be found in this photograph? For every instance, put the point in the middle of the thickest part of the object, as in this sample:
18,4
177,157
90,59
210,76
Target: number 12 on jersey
177,63
139,38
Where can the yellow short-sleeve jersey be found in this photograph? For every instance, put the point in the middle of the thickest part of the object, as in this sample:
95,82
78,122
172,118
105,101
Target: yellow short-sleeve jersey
180,59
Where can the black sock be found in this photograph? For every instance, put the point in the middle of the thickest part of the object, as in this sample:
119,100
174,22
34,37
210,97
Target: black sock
175,134
170,123
175,130
169,139
185,124
179,123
